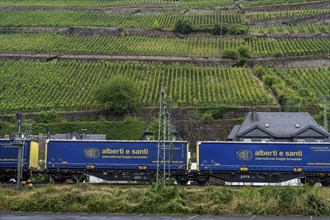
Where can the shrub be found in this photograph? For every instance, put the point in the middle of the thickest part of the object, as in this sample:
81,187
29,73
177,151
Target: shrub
218,31
231,54
183,26
234,29
270,80
259,71
119,95
238,29
278,54
207,117
155,25
243,62
244,51
71,30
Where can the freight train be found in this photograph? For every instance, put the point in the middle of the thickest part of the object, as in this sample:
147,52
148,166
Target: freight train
8,159
137,161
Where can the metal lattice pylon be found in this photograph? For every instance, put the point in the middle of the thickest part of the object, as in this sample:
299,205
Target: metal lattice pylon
164,141
325,113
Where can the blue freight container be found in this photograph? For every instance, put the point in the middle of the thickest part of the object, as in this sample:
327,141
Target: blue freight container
281,157
8,155
116,155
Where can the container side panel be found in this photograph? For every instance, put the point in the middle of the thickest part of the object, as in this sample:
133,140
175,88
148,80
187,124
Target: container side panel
112,155
8,155
311,157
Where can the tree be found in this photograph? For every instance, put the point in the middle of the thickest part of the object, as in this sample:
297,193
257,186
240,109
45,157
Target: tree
244,51
118,95
231,54
259,71
183,26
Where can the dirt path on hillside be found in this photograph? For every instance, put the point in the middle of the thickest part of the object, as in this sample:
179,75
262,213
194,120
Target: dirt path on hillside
270,62
163,59
115,32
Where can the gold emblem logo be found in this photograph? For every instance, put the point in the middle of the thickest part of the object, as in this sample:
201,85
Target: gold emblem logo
92,153
244,155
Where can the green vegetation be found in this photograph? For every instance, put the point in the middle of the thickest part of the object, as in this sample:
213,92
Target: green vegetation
129,129
103,19
292,29
67,18
183,26
296,87
42,86
289,47
256,17
216,112
233,29
139,45
251,3
231,54
104,3
244,51
119,95
86,198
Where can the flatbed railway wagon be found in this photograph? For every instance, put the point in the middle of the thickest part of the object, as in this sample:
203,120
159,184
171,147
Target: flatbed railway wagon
8,159
264,162
113,160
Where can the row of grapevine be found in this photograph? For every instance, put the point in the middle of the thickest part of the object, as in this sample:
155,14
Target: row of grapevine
139,45
252,3
35,85
310,83
102,19
289,47
293,29
108,3
64,18
254,17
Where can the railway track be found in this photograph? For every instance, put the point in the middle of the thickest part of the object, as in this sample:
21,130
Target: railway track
11,185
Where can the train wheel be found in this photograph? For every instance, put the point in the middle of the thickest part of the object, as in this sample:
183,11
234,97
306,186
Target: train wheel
201,183
325,183
181,181
4,178
78,178
202,180
303,181
57,179
311,181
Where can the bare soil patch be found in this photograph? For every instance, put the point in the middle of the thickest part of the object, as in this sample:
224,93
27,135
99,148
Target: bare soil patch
269,62
115,32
